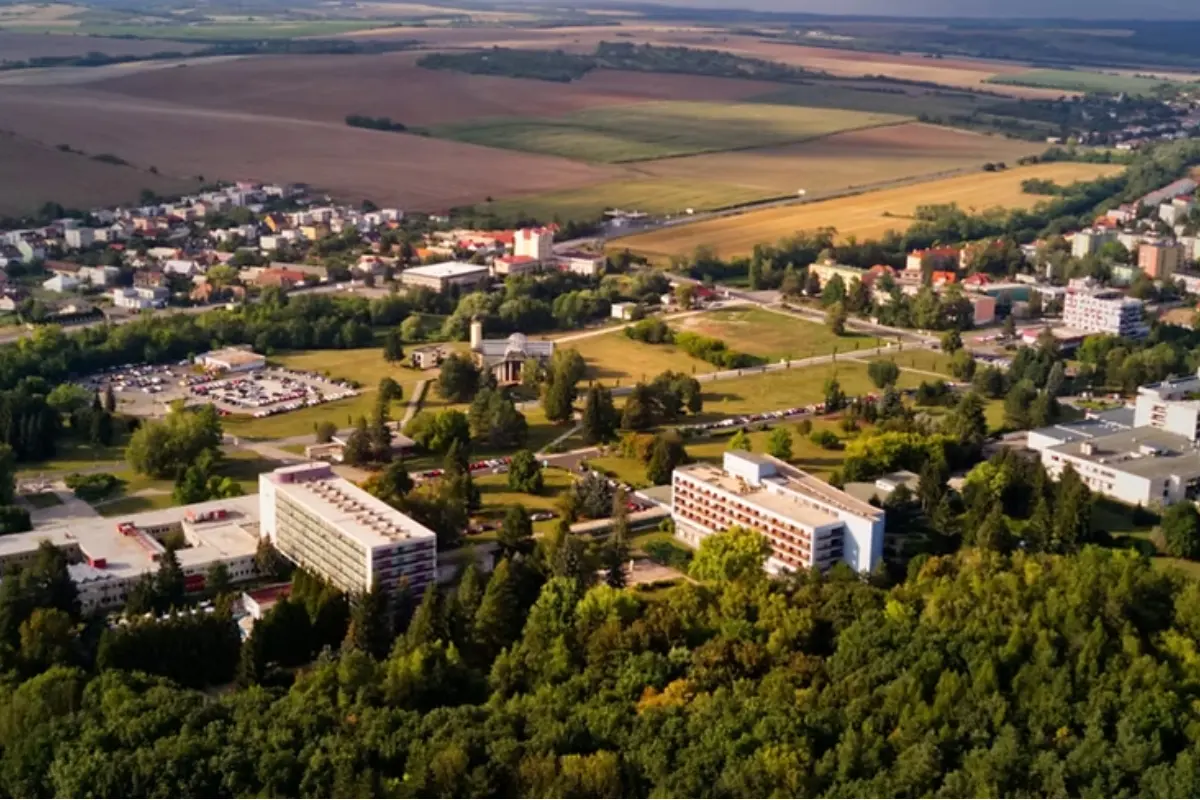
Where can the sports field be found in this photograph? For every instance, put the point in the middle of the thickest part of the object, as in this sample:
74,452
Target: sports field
662,129
1071,80
770,335
865,216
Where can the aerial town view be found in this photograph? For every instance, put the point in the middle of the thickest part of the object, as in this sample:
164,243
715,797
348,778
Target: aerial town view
506,399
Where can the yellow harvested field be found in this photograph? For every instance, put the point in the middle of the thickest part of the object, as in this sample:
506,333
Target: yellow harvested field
860,158
865,216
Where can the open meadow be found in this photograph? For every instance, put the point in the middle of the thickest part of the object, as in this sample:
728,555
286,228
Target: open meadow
866,216
662,129
613,359
771,335
19,45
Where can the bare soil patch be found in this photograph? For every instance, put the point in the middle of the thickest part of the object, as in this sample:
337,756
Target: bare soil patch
15,46
330,87
32,174
414,172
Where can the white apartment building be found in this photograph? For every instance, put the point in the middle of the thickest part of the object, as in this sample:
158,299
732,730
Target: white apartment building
1091,309
535,243
807,522
1141,466
334,529
1172,405
1089,240
107,557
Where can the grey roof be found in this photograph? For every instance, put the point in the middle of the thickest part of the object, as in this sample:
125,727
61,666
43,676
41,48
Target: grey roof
516,347
1121,417
1145,452
1090,428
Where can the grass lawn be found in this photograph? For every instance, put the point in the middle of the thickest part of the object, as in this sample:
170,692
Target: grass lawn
805,455
794,387
365,365
770,335
42,499
74,455
613,359
141,493
497,497
1072,80
663,129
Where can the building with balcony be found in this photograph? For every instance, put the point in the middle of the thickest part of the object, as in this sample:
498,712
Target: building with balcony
1092,309
334,529
807,522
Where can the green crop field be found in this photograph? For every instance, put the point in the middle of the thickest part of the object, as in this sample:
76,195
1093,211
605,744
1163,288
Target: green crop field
651,195
874,98
771,335
1070,80
664,129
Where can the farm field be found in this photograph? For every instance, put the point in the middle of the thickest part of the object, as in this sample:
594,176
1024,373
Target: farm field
328,87
32,174
18,45
661,129
866,216
846,160
413,172
770,335
1070,80
872,157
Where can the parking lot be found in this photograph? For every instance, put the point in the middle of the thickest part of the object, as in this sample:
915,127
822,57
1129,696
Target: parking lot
142,390
267,392
145,390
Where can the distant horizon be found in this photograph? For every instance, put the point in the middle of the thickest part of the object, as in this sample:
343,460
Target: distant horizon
1066,10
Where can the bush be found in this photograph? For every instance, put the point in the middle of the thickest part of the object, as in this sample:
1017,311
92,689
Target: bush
95,487
825,439
669,554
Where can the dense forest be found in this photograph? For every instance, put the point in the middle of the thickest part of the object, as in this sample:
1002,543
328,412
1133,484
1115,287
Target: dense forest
981,675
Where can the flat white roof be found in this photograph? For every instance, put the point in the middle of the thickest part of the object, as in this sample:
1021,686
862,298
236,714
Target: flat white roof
217,540
446,269
358,515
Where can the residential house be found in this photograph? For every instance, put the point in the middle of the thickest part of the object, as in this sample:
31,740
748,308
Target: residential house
589,265
282,277
137,298
79,238
61,283
186,267
149,279
943,258
99,276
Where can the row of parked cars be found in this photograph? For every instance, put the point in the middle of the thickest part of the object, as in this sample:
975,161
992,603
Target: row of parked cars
290,392
487,464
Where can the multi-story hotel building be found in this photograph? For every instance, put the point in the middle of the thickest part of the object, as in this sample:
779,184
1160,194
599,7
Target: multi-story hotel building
807,522
1093,310
334,529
